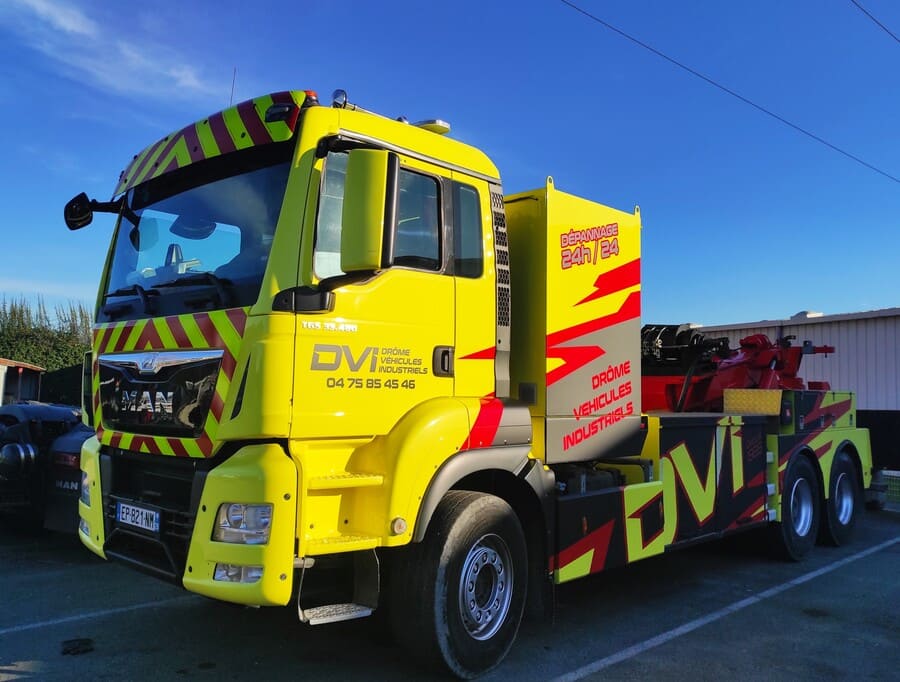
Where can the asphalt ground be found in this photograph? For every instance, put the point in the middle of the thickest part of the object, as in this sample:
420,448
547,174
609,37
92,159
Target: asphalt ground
726,610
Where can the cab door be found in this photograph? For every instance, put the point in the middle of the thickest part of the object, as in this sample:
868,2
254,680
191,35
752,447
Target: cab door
387,345
475,335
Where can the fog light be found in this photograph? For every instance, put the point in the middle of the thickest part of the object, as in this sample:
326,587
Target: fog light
233,573
85,490
243,524
84,527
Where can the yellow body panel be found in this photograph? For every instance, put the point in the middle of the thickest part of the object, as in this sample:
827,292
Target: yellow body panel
350,491
93,514
257,474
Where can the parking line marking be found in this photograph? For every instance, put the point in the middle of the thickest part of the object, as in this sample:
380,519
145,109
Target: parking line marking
92,614
690,626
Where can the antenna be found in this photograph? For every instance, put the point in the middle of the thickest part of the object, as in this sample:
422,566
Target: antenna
233,79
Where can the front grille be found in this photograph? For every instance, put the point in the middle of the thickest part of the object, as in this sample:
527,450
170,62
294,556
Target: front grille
170,486
158,393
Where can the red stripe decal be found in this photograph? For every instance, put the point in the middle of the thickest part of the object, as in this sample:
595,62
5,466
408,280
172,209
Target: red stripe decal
618,279
192,140
238,318
484,430
228,364
145,442
205,445
178,333
576,357
597,540
170,145
837,410
173,165
486,354
149,338
104,341
177,447
216,407
208,329
221,134
250,118
123,337
115,440
287,98
132,173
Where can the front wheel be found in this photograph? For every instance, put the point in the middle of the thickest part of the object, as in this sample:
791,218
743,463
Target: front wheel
796,534
844,499
459,596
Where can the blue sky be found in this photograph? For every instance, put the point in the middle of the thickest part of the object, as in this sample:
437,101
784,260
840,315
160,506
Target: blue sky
744,219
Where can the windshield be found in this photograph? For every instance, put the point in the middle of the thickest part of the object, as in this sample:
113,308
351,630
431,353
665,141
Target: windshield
196,239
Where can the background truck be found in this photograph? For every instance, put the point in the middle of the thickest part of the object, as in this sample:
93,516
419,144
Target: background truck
40,445
333,363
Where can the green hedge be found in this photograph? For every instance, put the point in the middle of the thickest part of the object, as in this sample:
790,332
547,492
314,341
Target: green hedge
28,333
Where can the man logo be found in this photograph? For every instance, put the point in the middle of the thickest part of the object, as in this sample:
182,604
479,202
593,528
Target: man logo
149,364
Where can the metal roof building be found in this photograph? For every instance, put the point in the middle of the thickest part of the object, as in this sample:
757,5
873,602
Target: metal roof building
867,351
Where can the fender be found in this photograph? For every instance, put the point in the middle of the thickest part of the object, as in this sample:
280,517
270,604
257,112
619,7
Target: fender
513,459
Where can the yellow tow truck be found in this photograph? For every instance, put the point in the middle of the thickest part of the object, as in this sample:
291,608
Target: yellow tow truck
333,364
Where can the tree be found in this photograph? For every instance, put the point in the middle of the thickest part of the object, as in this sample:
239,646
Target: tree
29,334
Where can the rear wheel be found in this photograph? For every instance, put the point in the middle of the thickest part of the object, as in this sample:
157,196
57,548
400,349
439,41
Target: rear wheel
457,600
844,500
796,534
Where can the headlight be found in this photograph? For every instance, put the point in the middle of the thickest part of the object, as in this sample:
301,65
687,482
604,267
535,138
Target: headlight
85,489
244,524
84,527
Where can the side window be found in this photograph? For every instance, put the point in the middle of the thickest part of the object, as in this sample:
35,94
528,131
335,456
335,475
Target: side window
467,246
327,253
417,242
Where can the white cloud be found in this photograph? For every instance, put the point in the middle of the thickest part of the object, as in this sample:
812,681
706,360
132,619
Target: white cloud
63,17
82,50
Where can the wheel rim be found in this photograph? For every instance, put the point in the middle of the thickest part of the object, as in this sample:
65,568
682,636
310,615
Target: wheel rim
843,499
801,507
486,587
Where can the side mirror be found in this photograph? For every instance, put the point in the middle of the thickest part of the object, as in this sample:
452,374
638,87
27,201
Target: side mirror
78,212
366,213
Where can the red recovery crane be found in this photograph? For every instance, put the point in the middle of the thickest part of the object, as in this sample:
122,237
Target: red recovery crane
686,371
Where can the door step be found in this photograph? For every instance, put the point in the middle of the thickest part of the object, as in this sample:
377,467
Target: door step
344,480
333,613
341,543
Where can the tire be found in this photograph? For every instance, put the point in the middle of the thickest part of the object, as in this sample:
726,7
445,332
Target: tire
843,503
457,598
796,534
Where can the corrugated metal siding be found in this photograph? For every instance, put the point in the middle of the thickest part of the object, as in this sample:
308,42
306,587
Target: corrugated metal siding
866,360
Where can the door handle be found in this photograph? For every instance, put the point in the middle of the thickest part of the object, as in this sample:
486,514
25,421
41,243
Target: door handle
442,361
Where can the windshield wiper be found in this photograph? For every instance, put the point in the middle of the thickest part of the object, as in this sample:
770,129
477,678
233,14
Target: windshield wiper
203,278
141,292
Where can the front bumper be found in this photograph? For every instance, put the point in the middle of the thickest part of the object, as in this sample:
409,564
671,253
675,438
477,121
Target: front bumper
183,549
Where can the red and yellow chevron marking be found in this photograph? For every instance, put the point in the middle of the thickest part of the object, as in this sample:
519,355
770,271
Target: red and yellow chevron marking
588,555
220,329
236,128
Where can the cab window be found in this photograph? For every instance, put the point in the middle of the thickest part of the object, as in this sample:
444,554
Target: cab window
417,242
468,259
327,252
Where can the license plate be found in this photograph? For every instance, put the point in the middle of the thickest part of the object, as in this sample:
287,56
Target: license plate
139,517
